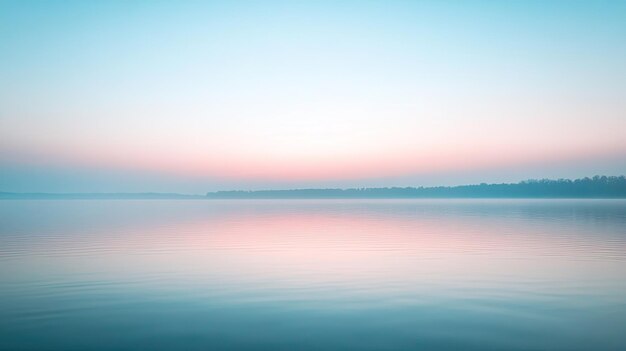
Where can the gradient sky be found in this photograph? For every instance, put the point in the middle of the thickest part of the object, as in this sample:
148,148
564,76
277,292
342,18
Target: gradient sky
192,96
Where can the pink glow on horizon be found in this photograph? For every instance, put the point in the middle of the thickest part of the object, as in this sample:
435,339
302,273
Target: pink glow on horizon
272,167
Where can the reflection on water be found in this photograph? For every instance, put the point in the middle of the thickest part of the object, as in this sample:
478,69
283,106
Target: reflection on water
313,275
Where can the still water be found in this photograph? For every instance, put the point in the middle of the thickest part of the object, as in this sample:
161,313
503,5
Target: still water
313,275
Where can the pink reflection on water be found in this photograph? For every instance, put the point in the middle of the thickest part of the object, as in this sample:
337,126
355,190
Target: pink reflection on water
313,252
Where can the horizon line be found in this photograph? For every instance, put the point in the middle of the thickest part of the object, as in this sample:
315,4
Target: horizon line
605,187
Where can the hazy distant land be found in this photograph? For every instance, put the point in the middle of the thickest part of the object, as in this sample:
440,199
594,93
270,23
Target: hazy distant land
103,196
596,187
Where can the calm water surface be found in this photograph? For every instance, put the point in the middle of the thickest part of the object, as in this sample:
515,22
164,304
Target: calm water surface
313,275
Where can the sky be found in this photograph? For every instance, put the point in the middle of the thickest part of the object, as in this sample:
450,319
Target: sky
196,96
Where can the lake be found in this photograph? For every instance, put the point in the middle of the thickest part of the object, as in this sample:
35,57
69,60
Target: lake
313,274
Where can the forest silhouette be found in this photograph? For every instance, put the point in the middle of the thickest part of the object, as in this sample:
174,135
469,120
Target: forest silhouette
596,187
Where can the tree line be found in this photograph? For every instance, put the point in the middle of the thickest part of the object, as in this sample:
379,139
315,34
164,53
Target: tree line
595,187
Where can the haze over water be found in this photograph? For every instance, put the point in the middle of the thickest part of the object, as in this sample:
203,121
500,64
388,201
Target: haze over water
165,99
313,274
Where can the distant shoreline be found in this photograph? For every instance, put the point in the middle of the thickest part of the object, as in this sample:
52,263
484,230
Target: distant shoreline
99,196
598,187
78,197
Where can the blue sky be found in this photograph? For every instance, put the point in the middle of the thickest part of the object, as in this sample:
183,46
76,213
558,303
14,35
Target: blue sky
194,96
